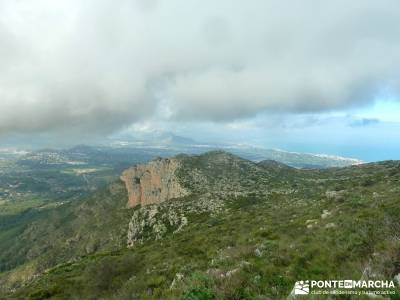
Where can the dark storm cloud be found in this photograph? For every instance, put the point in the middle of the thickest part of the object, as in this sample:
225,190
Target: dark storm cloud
100,65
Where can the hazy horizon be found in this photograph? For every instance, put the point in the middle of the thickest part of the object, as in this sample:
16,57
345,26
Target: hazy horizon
305,77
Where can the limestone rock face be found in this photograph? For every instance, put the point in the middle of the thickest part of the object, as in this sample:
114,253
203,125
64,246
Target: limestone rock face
153,182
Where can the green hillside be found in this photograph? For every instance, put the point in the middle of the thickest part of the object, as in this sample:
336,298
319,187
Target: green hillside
246,231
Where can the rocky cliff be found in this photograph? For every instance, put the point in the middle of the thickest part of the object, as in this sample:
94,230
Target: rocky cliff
153,182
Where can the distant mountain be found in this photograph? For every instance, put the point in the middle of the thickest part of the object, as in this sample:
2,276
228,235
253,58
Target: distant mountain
176,139
132,152
178,144
153,138
174,144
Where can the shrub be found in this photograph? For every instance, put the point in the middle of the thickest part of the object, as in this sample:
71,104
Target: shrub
198,293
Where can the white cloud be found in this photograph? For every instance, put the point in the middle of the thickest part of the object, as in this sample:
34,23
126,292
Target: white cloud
100,65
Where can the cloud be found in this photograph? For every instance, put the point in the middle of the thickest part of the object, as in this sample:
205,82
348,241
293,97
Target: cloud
102,65
364,122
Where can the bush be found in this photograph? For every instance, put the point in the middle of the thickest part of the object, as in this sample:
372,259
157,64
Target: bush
198,293
200,288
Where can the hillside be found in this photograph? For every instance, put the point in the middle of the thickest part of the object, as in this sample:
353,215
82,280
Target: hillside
240,230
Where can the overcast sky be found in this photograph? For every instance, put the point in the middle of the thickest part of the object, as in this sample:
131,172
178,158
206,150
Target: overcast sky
250,69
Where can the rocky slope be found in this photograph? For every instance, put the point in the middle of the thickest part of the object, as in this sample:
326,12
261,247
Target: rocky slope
154,182
232,229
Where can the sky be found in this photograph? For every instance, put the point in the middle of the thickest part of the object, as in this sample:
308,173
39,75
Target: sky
313,76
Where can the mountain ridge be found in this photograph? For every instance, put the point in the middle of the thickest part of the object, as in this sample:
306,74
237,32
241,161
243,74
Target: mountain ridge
124,152
245,228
